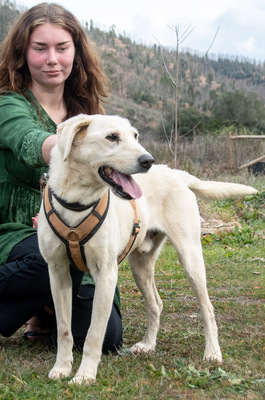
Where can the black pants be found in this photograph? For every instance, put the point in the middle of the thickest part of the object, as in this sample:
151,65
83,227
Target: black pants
25,290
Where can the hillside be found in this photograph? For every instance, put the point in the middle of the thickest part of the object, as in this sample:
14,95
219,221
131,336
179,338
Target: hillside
142,90
143,93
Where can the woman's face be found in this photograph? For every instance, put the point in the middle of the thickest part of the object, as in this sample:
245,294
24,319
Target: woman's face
50,56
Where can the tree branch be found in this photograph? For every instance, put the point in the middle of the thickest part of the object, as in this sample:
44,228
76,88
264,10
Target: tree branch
203,58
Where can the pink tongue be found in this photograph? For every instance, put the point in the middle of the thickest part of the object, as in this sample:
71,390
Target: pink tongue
128,184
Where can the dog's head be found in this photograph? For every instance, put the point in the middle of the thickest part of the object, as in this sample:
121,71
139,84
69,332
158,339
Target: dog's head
107,146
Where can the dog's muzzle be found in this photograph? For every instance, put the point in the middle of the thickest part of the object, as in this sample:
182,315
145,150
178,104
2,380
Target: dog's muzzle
124,185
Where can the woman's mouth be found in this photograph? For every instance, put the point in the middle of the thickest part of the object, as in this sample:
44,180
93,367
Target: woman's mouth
52,73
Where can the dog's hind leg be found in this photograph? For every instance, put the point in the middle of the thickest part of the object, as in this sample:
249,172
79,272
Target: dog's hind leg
142,265
192,260
187,241
61,286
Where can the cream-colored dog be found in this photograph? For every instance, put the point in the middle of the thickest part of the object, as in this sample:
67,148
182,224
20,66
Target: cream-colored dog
92,154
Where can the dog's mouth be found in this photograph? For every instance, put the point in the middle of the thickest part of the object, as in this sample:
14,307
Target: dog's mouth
122,185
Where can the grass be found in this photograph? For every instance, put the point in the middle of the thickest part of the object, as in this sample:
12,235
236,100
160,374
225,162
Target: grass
235,272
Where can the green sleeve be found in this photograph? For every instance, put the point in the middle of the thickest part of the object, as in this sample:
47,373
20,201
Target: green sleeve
24,125
23,129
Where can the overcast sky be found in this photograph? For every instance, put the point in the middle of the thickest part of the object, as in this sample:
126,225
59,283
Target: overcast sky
241,23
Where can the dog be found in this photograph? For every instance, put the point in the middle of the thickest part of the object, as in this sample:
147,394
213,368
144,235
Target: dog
95,155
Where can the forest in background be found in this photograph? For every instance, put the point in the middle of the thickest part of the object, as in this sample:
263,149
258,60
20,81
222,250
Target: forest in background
216,94
219,92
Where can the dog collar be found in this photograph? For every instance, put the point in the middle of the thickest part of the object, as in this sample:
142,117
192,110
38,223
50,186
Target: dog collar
76,206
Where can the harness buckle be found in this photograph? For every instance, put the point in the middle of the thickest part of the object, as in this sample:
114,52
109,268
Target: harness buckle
72,236
136,229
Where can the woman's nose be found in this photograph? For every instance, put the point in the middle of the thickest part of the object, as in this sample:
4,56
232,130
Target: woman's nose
52,57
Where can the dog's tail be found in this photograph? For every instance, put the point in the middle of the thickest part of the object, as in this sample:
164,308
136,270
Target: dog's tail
212,190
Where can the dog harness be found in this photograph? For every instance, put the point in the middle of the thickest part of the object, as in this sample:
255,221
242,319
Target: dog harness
75,238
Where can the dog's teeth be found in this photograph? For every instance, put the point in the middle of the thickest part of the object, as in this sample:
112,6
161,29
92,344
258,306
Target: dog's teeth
108,170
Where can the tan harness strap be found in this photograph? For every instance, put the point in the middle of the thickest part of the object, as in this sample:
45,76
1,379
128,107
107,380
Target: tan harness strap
75,237
135,231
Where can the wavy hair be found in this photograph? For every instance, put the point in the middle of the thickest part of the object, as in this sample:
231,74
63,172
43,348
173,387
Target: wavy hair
85,88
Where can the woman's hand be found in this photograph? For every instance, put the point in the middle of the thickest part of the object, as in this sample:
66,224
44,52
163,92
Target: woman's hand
35,221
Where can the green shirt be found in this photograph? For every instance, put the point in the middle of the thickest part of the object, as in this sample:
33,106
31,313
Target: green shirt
24,125
22,132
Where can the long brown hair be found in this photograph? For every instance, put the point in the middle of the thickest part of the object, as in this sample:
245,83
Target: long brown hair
86,86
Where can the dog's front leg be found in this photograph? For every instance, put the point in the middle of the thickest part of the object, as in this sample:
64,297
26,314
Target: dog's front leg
105,283
61,287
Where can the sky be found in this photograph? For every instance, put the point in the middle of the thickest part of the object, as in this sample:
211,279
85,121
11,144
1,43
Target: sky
234,28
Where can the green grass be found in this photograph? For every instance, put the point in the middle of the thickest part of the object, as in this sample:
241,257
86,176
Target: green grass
235,263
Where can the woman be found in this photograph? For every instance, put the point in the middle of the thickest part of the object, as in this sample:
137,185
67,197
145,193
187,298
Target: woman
49,71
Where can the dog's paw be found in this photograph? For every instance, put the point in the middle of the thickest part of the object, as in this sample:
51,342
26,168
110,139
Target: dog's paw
214,356
82,380
142,348
60,372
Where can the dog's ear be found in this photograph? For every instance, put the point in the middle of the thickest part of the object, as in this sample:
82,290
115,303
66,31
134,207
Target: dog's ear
67,131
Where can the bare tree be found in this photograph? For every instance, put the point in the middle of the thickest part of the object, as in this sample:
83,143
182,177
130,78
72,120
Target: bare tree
173,137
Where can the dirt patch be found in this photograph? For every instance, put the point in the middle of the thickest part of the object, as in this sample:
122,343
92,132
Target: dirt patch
238,299
217,225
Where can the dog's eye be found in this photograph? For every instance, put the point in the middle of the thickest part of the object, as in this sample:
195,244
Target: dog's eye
136,136
113,137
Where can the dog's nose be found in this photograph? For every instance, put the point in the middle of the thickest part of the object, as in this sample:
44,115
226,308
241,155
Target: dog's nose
146,161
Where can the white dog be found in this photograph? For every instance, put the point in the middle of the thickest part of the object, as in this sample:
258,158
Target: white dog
94,154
